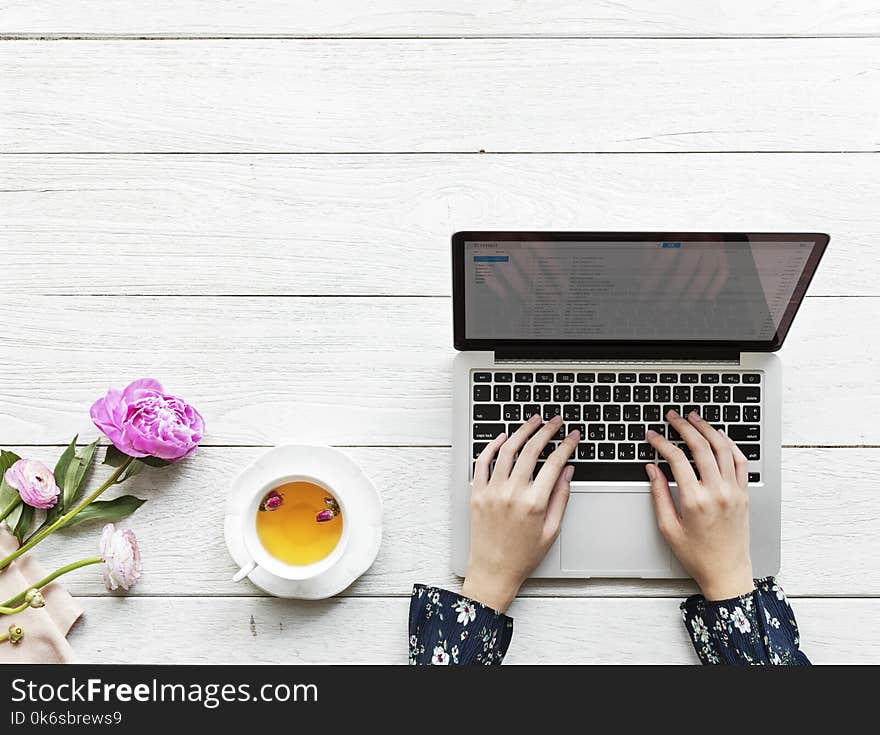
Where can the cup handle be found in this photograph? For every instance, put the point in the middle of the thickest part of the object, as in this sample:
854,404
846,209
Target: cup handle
244,571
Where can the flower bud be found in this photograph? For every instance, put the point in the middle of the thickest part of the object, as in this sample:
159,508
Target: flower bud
325,515
34,598
16,633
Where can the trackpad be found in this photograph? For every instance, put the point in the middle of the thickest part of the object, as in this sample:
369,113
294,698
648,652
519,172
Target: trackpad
613,535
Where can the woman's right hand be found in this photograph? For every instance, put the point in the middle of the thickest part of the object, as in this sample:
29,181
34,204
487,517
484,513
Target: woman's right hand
710,536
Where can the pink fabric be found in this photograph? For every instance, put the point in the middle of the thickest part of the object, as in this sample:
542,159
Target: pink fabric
46,628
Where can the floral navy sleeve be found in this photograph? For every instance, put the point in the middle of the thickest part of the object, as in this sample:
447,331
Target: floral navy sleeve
758,628
446,628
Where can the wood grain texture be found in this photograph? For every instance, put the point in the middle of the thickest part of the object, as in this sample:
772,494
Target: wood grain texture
439,95
452,17
830,533
546,631
368,225
362,371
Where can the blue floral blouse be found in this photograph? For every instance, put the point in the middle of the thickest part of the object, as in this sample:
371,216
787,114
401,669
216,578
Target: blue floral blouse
757,628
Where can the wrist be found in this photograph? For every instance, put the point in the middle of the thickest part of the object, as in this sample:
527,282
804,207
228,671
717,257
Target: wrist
490,591
729,586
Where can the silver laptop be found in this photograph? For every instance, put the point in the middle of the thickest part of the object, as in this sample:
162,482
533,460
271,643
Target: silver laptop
611,330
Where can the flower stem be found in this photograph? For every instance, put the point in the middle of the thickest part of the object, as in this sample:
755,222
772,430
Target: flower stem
11,507
63,520
51,578
12,610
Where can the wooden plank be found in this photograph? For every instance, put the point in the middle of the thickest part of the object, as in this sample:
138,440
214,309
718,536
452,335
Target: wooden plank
452,17
368,225
439,95
230,630
342,370
831,526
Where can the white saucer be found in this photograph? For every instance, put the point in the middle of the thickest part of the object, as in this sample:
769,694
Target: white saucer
363,512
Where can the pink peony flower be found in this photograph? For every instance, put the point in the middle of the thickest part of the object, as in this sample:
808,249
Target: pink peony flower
142,421
34,482
122,557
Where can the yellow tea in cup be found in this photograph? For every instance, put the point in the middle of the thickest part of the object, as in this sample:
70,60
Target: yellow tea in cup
299,523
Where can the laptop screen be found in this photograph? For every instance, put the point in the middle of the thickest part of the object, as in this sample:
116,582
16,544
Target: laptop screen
690,288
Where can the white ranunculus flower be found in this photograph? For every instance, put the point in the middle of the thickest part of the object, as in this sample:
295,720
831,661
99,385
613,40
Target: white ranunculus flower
122,557
466,610
740,620
440,657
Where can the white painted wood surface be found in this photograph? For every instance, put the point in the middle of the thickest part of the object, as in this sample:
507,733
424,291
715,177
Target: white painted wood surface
444,95
354,18
304,296
380,225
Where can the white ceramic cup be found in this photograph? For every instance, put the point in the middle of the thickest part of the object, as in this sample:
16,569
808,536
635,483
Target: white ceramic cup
259,557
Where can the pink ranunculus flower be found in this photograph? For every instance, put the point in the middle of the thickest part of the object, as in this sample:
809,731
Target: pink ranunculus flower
34,481
143,421
122,557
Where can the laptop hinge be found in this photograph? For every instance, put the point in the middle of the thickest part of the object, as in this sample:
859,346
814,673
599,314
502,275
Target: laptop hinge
636,352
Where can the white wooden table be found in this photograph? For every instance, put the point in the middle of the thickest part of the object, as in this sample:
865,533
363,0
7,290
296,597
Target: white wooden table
252,202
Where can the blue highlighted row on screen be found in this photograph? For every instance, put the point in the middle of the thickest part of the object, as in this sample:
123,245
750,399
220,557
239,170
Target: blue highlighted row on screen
491,258
671,245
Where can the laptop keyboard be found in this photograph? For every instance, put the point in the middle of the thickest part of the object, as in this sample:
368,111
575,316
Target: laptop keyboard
613,411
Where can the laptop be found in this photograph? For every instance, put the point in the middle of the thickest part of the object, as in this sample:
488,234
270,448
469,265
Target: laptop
611,330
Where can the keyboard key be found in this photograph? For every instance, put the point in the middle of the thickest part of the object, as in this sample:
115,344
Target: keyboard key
645,452
729,378
721,394
674,436
541,393
551,410
751,413
501,393
582,393
512,412
592,412
632,413
547,451
661,394
479,447
544,377
606,451
689,378
659,428
626,378
560,435
586,450
616,432
711,413
596,432
647,377
579,427
522,393
709,378
751,394
612,471
754,477
626,451
487,412
730,414
702,394
523,377
668,377
687,408
681,394
482,393
565,377
512,428
602,393
530,409
744,432
752,451
670,407
622,394
607,377
751,378
562,393
571,412
642,393
586,377
611,413
482,377
635,432
503,377
651,413
487,431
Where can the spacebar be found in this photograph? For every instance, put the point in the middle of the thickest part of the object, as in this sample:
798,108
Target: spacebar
610,471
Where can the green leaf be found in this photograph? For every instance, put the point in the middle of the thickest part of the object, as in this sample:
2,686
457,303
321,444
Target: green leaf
133,469
7,459
14,515
114,457
25,517
108,510
61,471
8,493
76,472
154,461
